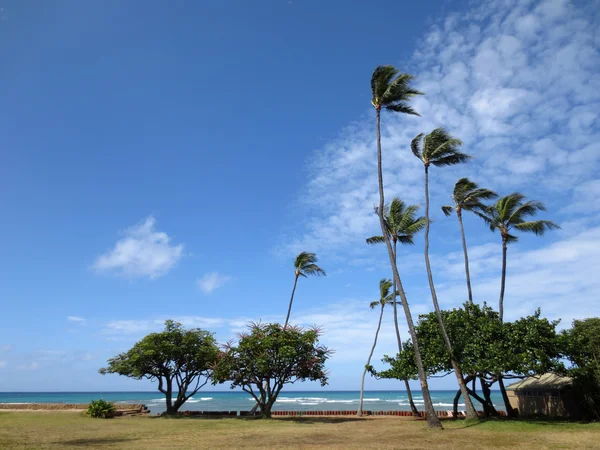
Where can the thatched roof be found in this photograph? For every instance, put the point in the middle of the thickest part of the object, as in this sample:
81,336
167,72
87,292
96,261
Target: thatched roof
546,381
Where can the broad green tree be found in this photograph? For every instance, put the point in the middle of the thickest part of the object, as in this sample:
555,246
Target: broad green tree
467,196
180,360
401,225
439,149
509,214
270,356
305,265
392,91
384,298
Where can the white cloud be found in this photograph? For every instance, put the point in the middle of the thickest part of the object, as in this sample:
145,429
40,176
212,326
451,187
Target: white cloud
142,252
76,319
211,281
140,327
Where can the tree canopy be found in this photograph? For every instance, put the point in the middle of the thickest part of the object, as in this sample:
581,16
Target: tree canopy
180,360
268,357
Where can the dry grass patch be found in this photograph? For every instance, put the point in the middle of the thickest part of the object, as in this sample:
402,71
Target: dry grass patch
74,430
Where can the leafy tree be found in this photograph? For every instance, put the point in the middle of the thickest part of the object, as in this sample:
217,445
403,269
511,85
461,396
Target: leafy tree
176,358
401,225
582,348
392,91
467,196
440,149
510,213
268,357
484,346
305,264
384,298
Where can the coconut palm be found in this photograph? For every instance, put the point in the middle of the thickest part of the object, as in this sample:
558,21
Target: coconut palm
305,264
467,196
507,214
510,213
400,225
441,149
392,91
385,296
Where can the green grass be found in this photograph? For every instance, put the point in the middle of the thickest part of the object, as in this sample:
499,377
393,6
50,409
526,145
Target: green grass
43,430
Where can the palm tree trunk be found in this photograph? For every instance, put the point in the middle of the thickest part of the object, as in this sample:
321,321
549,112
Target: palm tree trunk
471,412
362,384
432,419
464,243
503,280
411,402
291,301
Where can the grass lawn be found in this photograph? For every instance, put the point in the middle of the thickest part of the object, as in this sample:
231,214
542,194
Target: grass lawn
25,430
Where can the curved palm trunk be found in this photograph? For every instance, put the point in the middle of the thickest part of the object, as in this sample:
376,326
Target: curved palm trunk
432,419
287,318
464,243
362,384
502,281
471,413
411,402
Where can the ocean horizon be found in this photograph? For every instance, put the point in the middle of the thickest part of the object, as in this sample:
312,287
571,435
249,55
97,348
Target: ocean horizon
374,400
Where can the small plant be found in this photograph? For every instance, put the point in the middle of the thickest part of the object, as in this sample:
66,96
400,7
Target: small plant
101,409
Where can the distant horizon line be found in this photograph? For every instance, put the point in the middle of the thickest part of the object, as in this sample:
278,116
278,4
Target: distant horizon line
229,390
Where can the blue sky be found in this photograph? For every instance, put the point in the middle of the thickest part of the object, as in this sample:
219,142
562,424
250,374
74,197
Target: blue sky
168,161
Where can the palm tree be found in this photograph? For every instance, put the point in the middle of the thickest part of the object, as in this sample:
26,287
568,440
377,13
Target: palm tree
400,225
441,149
305,264
508,213
467,196
384,298
392,91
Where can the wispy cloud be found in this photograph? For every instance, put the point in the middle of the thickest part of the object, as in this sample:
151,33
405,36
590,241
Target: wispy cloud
142,252
139,327
29,366
76,319
211,281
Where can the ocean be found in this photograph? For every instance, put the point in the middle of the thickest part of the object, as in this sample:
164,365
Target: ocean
241,401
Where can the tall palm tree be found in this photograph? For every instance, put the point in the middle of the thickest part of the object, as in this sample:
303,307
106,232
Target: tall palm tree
392,91
305,264
441,149
510,213
384,298
400,225
467,196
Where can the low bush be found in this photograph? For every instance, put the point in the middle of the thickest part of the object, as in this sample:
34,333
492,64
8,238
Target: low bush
101,409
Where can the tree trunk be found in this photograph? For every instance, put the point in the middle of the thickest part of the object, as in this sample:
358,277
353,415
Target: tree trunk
169,398
502,280
411,402
464,243
432,419
471,413
362,384
507,405
455,404
291,301
488,406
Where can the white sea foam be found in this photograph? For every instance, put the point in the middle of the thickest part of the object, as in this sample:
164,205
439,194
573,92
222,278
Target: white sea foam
447,404
309,403
205,399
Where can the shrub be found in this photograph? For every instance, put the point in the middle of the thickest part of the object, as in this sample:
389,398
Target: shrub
101,409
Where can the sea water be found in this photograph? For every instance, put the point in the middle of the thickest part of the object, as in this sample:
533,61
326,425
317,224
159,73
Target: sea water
241,401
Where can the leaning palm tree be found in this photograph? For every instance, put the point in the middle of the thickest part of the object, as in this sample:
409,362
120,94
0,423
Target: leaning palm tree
467,196
441,149
392,91
400,225
305,264
508,213
384,298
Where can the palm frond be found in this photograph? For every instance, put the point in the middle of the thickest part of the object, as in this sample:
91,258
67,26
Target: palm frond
447,210
380,81
417,225
375,240
374,305
537,227
313,269
403,108
451,160
529,208
305,264
415,146
385,285
406,239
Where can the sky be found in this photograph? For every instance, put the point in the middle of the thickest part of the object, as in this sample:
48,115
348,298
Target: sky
168,161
